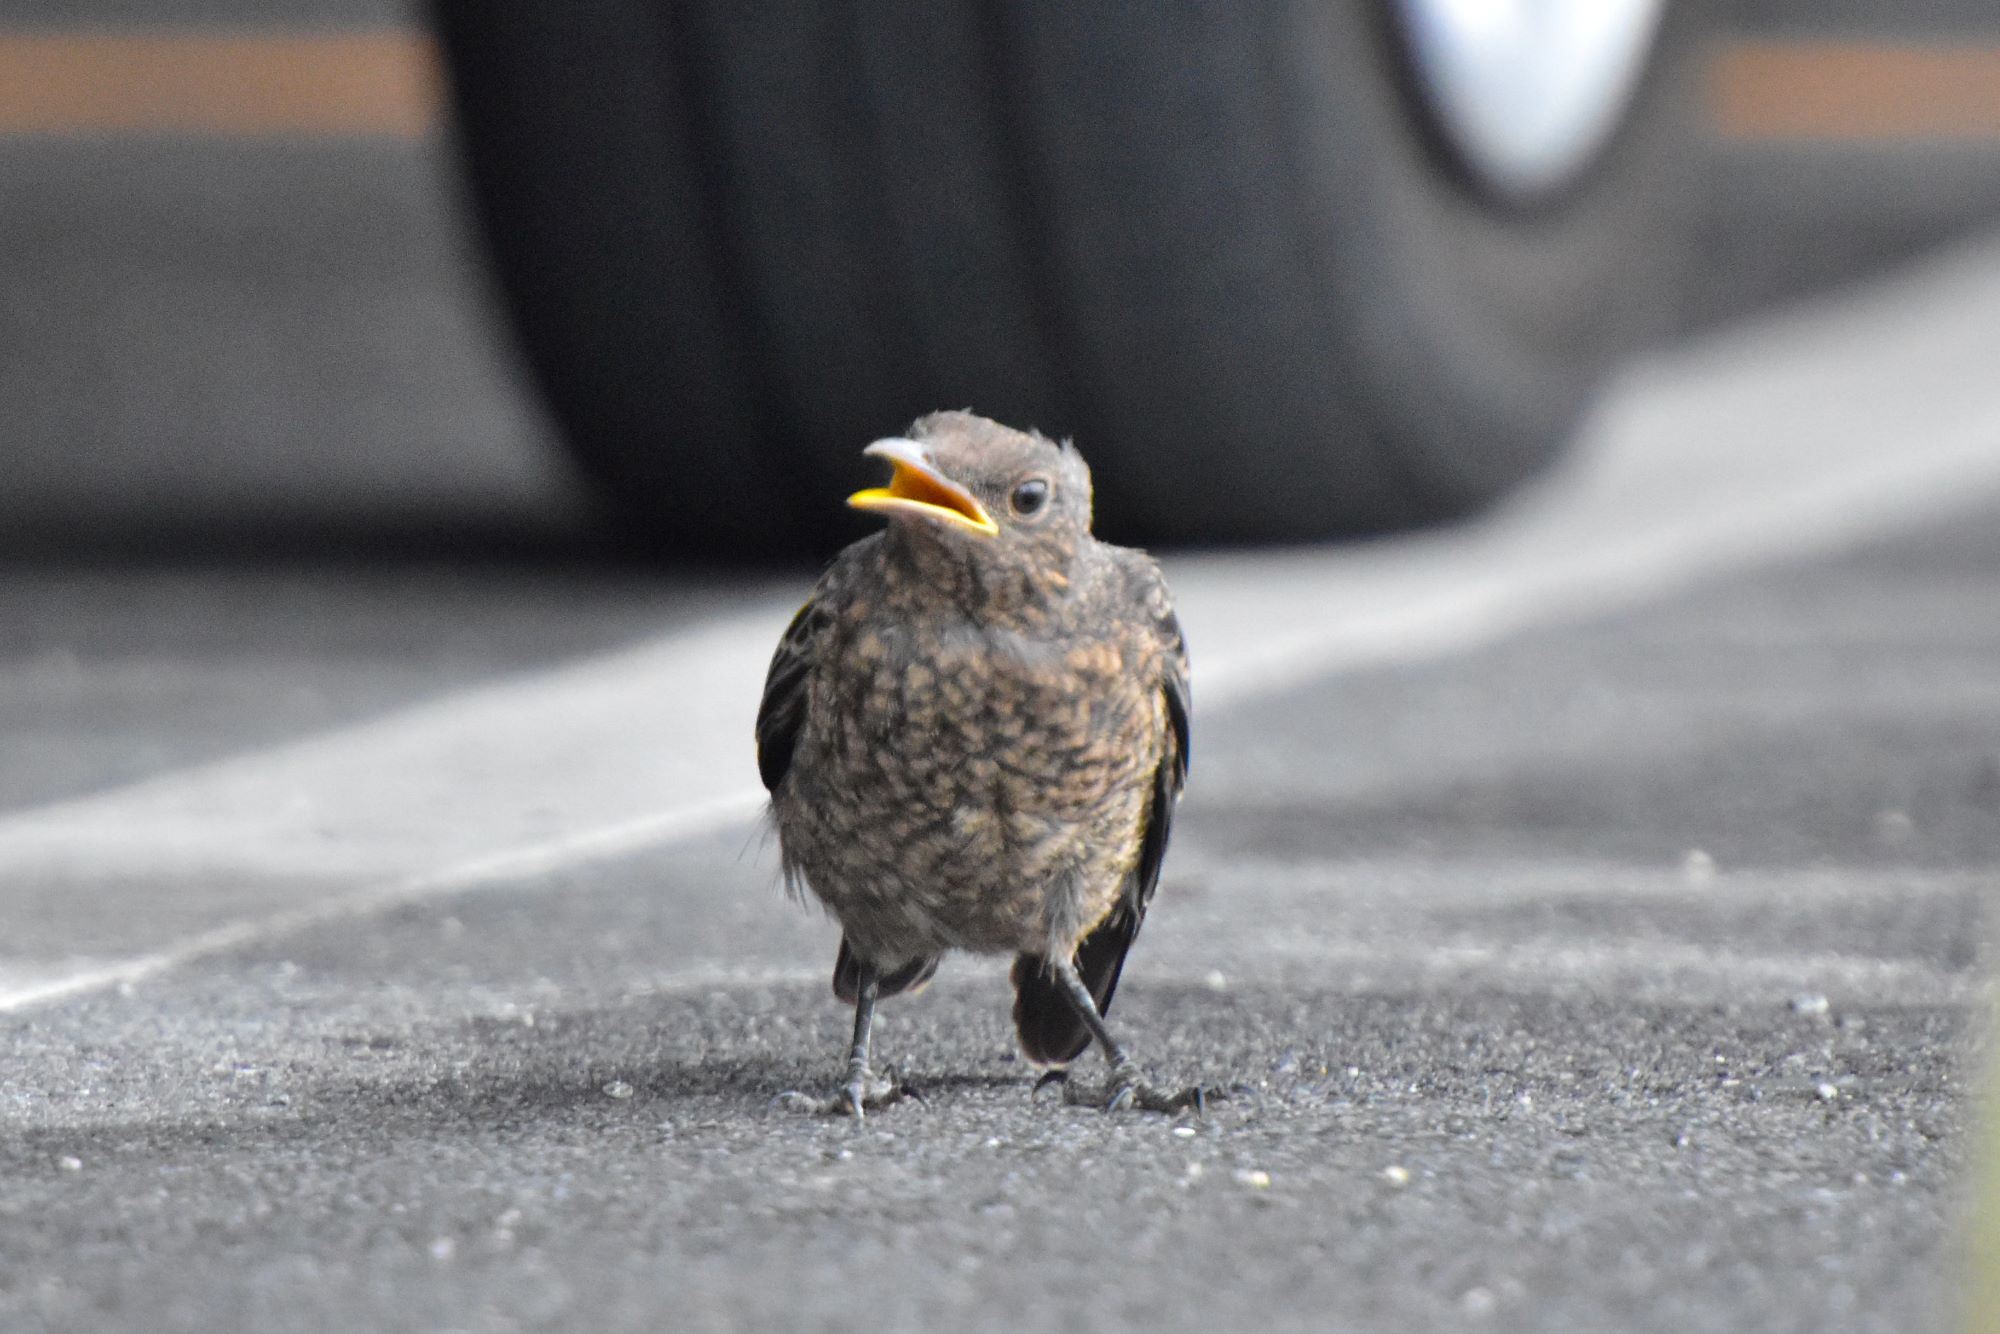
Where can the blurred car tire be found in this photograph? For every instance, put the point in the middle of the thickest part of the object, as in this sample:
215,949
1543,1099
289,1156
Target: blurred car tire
1227,247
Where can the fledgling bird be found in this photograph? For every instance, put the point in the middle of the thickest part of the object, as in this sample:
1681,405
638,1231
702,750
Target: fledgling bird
974,734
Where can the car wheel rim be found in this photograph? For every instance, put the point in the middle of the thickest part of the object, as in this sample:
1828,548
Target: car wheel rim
1527,92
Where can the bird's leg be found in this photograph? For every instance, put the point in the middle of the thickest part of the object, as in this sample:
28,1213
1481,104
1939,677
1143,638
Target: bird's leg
1126,1087
863,1089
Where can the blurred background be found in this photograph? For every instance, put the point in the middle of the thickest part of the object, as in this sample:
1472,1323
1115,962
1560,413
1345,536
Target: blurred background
248,301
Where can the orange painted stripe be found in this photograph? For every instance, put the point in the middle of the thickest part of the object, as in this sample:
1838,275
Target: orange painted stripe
388,83
1855,91
359,83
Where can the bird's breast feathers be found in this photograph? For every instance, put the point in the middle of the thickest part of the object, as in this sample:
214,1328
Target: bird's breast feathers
996,735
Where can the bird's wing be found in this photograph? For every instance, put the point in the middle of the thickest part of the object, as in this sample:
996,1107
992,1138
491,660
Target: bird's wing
783,710
1171,776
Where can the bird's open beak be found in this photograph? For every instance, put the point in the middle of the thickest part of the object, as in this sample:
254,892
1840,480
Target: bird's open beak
917,487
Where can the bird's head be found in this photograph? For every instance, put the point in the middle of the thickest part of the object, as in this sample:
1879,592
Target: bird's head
985,492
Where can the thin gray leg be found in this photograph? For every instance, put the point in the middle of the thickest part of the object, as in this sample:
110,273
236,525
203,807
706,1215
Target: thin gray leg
1085,1006
863,1088
1125,1088
859,1080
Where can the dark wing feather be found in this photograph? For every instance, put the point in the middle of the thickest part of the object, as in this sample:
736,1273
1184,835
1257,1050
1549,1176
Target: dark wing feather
906,977
783,710
1171,776
1049,1028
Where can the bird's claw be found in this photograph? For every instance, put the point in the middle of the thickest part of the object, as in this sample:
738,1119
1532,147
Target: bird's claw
1125,1091
856,1098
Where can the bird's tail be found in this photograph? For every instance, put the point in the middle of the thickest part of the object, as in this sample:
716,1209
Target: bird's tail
847,975
1051,1031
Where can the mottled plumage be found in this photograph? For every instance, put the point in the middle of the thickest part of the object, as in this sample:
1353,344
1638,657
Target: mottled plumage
974,734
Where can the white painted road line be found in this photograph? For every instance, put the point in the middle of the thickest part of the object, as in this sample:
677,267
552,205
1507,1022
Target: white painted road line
495,772
508,867
1809,433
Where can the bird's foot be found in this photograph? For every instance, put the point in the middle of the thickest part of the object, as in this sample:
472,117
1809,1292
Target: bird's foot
864,1092
1126,1090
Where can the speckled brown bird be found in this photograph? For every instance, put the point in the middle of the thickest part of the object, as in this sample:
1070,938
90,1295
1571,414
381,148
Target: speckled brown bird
974,734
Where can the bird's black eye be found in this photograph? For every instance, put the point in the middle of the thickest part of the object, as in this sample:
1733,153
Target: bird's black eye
1029,497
